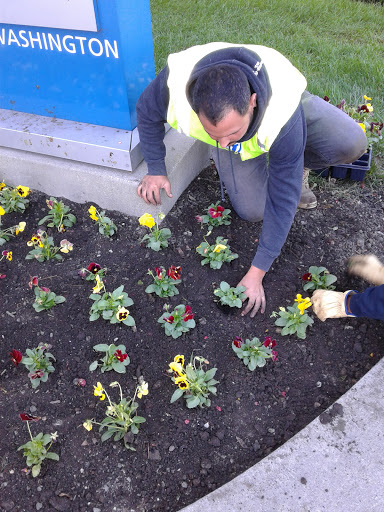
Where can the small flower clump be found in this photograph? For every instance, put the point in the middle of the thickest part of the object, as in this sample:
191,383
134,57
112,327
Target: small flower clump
14,199
216,254
178,322
254,353
216,216
157,239
164,282
318,278
38,363
294,319
193,381
115,358
58,215
106,226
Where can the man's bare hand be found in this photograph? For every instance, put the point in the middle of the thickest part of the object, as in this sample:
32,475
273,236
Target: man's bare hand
150,186
254,291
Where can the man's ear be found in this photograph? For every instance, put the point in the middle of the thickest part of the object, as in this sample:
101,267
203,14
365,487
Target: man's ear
252,101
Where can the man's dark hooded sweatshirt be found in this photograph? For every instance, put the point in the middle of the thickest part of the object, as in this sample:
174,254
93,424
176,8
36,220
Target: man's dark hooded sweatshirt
285,156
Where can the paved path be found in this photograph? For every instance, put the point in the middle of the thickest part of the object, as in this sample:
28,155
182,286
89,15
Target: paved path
335,464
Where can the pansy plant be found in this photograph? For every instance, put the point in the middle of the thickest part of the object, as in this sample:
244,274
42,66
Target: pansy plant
157,239
181,320
59,215
115,358
106,226
44,248
44,298
38,448
164,282
193,381
318,278
6,234
229,296
111,306
216,216
254,353
93,270
38,362
14,199
216,254
294,319
121,420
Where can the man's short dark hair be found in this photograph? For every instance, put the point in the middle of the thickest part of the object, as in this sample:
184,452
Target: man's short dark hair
218,90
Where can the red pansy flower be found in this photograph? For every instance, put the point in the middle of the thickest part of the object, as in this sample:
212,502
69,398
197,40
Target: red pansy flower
188,315
174,272
199,218
238,341
28,417
2,276
120,356
326,98
307,277
170,319
269,342
33,281
216,211
274,355
94,267
16,356
44,289
159,272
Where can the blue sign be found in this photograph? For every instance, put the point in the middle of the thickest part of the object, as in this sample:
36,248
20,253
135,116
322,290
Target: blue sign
92,76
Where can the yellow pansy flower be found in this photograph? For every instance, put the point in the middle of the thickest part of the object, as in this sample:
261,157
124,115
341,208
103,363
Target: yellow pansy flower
122,314
219,248
147,220
21,226
9,255
94,217
92,210
22,191
366,98
2,211
142,390
182,382
87,425
2,185
179,359
177,368
99,284
98,391
369,107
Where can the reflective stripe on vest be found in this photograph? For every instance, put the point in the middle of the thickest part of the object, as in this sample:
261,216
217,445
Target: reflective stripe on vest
287,85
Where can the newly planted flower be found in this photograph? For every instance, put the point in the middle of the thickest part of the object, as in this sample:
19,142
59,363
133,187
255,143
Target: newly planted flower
217,253
157,239
14,199
106,226
38,448
164,282
179,321
6,234
318,278
115,358
229,296
121,420
93,270
44,248
193,381
44,298
58,215
38,363
254,353
294,319
111,306
216,216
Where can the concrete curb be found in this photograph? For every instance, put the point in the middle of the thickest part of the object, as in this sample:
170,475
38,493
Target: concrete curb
111,189
335,464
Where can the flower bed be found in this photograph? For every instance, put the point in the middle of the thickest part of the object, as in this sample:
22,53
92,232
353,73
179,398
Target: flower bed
181,453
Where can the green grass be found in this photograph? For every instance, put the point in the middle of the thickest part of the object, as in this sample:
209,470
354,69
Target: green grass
338,45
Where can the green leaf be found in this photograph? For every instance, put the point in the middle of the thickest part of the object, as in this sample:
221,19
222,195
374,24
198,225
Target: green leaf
93,366
101,347
36,470
210,374
118,366
94,317
107,435
224,286
52,455
176,395
193,402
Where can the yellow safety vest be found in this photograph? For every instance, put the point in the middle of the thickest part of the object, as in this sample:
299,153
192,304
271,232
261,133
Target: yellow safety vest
287,85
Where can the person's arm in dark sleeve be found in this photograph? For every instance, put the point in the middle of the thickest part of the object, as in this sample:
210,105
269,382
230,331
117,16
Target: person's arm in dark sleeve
151,110
286,163
369,303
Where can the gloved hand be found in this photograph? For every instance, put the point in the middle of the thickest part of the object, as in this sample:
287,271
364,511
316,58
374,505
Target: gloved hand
368,267
329,304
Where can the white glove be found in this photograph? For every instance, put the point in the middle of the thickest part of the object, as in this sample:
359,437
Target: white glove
329,304
368,267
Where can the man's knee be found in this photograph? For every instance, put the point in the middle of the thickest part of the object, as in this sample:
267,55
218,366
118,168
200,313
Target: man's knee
254,214
354,145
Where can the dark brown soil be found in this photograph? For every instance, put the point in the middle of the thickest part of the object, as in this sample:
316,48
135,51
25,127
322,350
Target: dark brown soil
177,461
